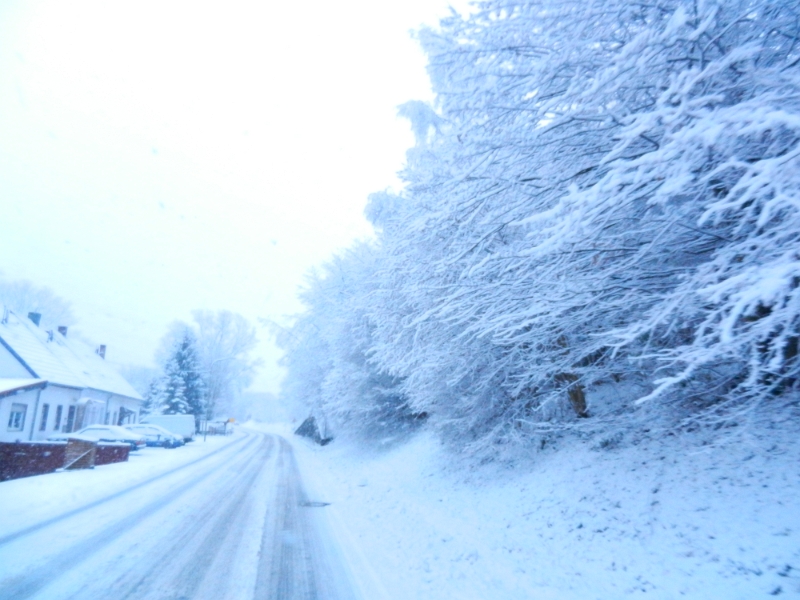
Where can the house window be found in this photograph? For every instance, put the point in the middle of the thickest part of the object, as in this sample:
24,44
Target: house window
70,419
16,420
59,412
45,412
114,421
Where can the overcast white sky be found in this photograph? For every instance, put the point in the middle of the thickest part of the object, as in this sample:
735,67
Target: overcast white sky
157,157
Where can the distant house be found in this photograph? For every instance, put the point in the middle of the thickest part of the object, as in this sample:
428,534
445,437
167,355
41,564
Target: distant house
51,383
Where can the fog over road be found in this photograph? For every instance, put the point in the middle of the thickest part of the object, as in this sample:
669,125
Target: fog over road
235,524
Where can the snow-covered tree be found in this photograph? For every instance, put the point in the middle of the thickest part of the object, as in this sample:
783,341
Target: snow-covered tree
23,296
601,190
328,353
225,341
181,388
598,168
153,397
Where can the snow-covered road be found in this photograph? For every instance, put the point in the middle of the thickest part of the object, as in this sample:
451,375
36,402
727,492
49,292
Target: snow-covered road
234,523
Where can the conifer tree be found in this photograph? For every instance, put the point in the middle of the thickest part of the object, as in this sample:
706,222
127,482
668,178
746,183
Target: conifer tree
182,386
152,397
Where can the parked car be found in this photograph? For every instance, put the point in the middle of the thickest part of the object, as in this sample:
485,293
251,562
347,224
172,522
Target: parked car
104,433
183,425
157,436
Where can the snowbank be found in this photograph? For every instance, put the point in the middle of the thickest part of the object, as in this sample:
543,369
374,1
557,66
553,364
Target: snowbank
684,516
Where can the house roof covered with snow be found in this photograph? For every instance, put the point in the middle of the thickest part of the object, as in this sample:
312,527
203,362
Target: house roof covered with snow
11,386
60,360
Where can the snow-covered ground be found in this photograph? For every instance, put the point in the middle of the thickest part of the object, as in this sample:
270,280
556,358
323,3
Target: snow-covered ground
690,516
226,520
696,515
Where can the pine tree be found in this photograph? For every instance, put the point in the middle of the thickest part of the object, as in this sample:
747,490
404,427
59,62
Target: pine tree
182,386
152,398
173,396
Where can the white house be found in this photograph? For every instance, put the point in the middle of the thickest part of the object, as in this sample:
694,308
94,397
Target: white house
18,397
54,383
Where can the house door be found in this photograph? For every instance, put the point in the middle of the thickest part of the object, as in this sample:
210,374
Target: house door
125,416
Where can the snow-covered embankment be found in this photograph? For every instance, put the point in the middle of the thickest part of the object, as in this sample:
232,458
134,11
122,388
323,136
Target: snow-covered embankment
694,516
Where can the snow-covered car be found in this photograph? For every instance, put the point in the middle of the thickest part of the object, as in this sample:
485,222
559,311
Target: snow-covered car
104,433
157,436
183,425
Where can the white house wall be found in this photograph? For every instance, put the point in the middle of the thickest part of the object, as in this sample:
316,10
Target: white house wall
96,407
54,396
90,407
101,408
112,405
28,398
117,402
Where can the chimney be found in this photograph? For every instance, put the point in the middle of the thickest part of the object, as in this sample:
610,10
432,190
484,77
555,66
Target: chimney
35,317
49,335
62,329
101,351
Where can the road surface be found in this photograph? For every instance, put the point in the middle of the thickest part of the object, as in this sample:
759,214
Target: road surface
234,524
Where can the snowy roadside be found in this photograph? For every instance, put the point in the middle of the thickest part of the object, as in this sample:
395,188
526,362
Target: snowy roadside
675,517
30,500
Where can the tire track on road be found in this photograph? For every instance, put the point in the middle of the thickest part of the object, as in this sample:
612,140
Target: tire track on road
247,532
46,523
198,547
294,564
28,584
284,572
